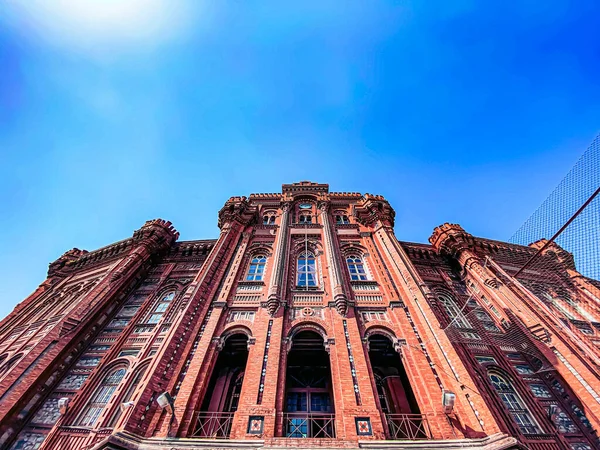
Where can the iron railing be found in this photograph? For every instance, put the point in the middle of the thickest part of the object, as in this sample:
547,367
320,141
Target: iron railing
309,425
216,425
408,426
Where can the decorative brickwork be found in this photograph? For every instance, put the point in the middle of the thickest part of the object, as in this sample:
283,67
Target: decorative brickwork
305,324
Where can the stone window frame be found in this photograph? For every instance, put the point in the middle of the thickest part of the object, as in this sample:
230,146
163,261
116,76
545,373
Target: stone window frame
257,261
513,402
102,395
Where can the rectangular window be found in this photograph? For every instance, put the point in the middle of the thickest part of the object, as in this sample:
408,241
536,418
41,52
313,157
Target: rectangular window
87,361
129,352
485,359
154,318
524,369
470,335
128,311
540,391
98,348
369,316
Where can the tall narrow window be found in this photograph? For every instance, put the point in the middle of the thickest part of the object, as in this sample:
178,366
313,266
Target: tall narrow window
454,313
101,397
160,308
307,270
514,404
256,271
128,395
356,268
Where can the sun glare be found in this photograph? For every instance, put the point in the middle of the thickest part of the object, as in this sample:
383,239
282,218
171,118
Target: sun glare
93,23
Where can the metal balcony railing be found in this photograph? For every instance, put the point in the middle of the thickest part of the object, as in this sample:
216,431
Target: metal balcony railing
216,425
408,426
309,425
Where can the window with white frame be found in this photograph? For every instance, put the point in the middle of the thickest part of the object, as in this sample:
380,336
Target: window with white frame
369,316
514,404
454,313
341,219
256,269
241,315
101,397
307,270
356,268
159,309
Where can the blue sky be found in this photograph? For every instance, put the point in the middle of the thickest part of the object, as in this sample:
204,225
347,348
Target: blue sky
112,113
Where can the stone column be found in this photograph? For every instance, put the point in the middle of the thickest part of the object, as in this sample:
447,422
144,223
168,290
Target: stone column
273,296
335,275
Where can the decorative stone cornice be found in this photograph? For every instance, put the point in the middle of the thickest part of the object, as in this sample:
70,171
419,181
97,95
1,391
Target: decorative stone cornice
374,208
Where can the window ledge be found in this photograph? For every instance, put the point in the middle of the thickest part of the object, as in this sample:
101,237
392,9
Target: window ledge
347,225
312,289
251,283
305,225
364,283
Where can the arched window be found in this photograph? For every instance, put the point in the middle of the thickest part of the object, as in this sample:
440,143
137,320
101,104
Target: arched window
305,218
128,395
269,218
514,404
342,219
101,397
160,308
307,270
256,270
356,268
454,313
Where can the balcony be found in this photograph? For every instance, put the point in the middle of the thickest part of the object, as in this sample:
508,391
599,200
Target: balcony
408,426
309,425
214,425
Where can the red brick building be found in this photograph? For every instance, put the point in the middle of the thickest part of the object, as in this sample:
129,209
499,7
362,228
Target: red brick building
305,324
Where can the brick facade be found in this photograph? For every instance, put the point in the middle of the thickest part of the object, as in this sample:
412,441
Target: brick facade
307,323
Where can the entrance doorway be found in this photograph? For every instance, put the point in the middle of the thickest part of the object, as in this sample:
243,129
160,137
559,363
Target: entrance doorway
309,409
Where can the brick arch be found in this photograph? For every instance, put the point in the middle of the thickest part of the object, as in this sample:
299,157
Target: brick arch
377,328
314,246
170,286
258,248
236,328
353,248
319,326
